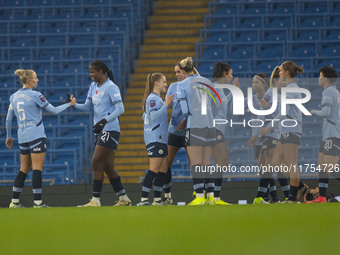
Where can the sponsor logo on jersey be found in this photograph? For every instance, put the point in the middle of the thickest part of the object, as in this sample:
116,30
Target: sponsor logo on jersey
42,98
152,103
116,95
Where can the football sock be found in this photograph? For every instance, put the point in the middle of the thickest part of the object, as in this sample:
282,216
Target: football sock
97,190
323,184
293,192
198,182
158,185
117,186
147,184
209,186
167,181
272,190
36,186
217,187
284,183
18,186
263,187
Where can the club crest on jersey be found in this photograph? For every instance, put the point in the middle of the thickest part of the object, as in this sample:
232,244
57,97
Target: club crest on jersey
42,98
101,93
152,103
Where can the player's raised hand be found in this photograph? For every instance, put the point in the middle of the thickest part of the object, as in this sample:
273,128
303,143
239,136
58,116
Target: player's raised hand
169,99
73,101
236,82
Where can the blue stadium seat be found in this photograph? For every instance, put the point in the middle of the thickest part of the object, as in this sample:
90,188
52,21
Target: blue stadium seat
245,35
274,35
271,50
241,51
309,21
279,21
284,7
334,20
250,22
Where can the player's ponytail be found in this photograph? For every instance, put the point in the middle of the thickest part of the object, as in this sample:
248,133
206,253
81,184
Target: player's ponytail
24,75
274,76
292,68
219,68
100,65
150,82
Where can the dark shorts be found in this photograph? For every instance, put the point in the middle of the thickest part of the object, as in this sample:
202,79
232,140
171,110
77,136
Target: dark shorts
267,143
330,146
157,150
290,138
108,139
200,137
257,151
219,136
36,146
176,140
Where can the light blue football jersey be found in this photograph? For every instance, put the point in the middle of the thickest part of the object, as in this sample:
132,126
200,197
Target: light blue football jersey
104,98
176,115
331,124
192,90
293,113
27,105
275,131
155,131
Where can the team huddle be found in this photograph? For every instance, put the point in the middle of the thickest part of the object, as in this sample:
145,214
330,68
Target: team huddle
192,126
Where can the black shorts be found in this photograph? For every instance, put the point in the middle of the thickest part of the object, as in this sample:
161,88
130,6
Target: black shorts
290,138
330,146
257,151
157,150
219,136
267,143
36,146
200,137
108,139
176,140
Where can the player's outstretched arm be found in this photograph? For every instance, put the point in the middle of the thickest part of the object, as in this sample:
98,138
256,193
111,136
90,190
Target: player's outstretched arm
55,110
9,118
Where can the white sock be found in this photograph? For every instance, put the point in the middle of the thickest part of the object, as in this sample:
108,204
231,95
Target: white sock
124,198
15,201
210,194
157,199
217,198
199,195
38,202
96,200
167,195
144,199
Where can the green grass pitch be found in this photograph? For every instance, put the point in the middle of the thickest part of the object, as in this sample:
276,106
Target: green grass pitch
237,229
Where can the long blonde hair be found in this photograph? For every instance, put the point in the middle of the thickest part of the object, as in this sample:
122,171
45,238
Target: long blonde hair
24,75
274,76
150,82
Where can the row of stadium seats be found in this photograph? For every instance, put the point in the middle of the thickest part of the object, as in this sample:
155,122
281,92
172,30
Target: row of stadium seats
260,7
270,34
271,21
